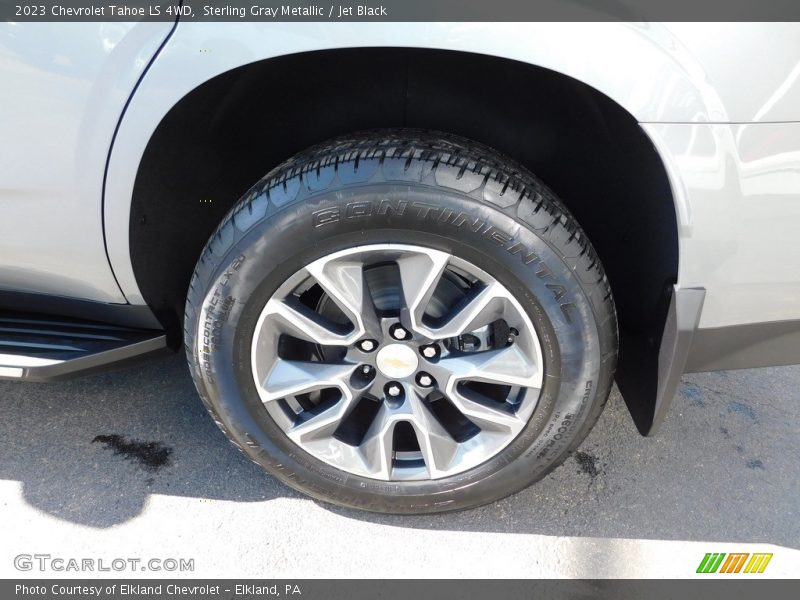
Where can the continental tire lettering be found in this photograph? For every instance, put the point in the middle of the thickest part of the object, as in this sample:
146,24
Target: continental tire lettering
365,208
424,209
559,291
397,207
460,220
528,257
325,216
544,271
568,308
445,216
498,237
356,210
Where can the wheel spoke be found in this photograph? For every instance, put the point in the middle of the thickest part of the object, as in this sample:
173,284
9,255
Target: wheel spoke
485,416
377,447
323,424
290,378
486,306
438,449
293,318
419,275
343,280
504,366
437,445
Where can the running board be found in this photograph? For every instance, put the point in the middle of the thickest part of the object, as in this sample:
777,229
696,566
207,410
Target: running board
43,348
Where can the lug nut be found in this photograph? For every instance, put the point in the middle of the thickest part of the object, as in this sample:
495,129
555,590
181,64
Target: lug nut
429,351
393,390
367,345
424,380
398,333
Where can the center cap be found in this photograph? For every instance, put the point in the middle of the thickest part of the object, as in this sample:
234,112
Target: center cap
397,361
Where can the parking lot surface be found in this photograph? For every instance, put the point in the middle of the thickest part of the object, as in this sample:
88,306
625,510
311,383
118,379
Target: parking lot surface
129,465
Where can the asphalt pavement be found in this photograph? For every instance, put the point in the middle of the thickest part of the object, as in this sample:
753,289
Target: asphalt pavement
129,465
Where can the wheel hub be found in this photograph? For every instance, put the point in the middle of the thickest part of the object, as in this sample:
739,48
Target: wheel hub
397,361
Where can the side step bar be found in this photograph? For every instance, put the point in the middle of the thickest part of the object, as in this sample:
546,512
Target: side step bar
44,348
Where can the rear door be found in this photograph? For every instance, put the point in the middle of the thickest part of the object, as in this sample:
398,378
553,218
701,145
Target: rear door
63,88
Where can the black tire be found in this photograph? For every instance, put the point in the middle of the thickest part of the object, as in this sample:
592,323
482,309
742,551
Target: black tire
326,199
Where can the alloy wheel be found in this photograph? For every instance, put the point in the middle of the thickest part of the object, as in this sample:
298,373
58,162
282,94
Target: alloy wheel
397,362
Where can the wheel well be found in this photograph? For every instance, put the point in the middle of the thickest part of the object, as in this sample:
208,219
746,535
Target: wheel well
226,134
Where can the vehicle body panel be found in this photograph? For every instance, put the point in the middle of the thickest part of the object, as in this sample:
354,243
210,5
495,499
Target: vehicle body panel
65,93
685,84
63,90
740,186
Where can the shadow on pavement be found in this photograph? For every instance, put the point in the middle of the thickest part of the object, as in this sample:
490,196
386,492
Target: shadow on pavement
80,447
725,466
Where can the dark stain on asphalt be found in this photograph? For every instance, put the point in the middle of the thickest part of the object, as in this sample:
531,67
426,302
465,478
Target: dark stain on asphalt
588,464
755,464
151,455
741,408
694,394
725,433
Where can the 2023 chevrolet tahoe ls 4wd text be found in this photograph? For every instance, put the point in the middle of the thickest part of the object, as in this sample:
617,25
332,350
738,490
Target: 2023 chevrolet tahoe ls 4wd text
406,260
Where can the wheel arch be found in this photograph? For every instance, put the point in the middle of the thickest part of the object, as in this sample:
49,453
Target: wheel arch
226,133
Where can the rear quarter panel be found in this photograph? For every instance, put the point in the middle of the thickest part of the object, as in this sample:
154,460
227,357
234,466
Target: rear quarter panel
63,87
736,189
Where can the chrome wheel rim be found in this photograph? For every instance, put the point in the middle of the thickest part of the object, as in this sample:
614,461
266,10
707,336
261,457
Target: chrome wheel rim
397,362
